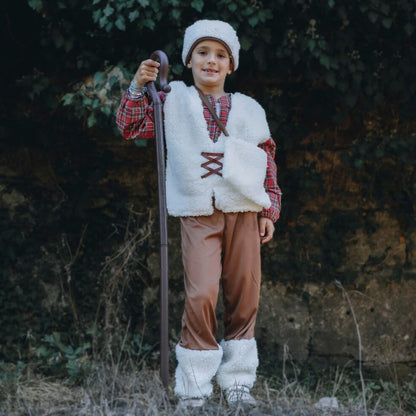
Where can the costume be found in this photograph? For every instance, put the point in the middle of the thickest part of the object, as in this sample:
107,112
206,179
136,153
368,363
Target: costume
217,185
238,186
135,122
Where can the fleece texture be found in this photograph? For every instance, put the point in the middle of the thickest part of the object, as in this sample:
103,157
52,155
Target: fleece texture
241,188
238,155
211,29
239,364
194,372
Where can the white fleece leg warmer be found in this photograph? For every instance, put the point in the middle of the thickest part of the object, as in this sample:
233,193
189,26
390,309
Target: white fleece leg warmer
194,372
239,364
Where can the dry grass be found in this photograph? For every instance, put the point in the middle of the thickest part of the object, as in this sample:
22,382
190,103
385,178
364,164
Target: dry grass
133,393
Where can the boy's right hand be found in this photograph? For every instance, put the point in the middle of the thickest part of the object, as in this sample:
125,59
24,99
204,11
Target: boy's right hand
146,72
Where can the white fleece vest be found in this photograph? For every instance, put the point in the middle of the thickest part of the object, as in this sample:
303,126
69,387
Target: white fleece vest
241,188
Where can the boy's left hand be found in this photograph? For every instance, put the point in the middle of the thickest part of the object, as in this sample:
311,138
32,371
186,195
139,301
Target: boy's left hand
266,229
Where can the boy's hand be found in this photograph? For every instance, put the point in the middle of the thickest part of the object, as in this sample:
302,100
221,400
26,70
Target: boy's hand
146,72
266,229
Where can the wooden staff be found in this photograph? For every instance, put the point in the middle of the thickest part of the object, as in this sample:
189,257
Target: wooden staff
161,57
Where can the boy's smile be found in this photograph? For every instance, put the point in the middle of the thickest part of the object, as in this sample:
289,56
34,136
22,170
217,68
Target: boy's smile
210,63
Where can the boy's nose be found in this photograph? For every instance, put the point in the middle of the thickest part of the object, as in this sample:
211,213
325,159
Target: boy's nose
211,59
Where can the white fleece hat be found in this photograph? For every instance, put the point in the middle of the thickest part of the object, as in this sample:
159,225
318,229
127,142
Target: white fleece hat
213,30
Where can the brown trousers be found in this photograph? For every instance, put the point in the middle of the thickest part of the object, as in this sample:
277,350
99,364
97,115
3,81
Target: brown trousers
226,247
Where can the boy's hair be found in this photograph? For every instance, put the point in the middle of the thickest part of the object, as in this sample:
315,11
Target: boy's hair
212,30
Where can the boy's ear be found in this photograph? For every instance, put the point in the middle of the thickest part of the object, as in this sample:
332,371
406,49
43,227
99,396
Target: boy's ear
230,68
189,65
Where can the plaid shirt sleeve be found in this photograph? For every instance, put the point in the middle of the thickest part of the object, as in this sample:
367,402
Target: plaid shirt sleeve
270,182
135,117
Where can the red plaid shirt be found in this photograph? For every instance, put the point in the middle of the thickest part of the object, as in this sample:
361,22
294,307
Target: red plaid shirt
135,121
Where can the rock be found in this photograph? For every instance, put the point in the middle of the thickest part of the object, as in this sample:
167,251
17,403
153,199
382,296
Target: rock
321,325
283,321
327,403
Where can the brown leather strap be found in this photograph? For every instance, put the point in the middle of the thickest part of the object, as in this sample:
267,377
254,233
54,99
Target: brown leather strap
212,158
212,111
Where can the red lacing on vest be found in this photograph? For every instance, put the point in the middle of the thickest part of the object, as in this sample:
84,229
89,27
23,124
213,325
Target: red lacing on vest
212,158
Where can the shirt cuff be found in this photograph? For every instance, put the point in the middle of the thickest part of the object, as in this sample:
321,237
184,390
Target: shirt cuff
270,214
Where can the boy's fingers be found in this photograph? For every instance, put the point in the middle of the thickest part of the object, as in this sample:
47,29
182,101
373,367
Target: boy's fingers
266,229
267,238
146,72
262,228
151,62
148,68
149,74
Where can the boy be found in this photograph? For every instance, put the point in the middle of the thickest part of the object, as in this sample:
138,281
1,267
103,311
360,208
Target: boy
221,182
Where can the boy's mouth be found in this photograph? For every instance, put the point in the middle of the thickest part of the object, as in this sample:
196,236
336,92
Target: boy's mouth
213,71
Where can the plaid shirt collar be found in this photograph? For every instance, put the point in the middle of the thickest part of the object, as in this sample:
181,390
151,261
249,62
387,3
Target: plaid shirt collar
225,107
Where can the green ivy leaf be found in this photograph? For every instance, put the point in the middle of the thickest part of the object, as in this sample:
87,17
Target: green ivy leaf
92,120
373,17
197,5
42,351
245,43
387,22
176,14
35,4
325,61
265,15
103,21
247,11
67,98
99,77
331,3
108,11
253,20
134,15
358,163
149,24
120,23
113,81
96,15
106,110
311,44
330,79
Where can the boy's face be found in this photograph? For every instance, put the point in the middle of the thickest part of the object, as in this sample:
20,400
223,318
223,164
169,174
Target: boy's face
210,63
